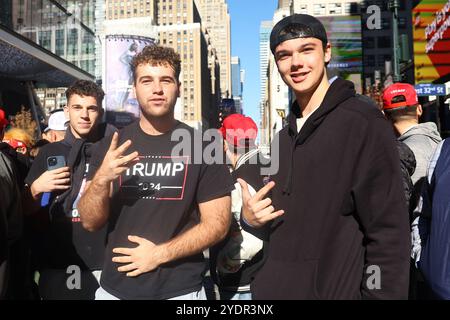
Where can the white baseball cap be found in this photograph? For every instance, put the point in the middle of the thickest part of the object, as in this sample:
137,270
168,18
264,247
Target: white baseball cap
57,121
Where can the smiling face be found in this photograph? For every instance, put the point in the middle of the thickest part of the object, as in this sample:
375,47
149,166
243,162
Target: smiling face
157,90
84,114
301,63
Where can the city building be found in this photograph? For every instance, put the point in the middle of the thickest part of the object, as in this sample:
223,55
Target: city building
264,52
276,99
180,27
119,9
215,17
378,43
237,83
42,45
323,7
51,99
66,28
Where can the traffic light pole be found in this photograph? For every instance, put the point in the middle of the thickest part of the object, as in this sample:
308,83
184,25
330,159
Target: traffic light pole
394,5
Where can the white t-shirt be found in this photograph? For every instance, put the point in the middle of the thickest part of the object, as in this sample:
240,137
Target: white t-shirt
301,121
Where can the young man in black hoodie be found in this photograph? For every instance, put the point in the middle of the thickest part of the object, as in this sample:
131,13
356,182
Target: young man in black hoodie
69,258
342,230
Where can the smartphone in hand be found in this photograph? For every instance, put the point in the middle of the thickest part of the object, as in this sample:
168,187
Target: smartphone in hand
55,162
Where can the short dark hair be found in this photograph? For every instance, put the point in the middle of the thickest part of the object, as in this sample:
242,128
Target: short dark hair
157,55
86,88
404,113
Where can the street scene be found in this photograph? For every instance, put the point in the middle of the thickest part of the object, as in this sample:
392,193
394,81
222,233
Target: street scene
224,150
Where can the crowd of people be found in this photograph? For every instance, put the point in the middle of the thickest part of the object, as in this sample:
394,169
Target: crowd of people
356,208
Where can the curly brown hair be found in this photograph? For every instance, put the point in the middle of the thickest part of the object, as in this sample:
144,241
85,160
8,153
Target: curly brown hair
86,88
157,55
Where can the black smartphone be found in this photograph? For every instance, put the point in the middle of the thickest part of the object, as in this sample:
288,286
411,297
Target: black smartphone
55,162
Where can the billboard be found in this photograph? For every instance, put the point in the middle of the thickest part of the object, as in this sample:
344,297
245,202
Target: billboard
120,102
431,32
344,34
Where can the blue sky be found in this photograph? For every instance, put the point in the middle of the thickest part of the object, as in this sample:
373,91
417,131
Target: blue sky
246,16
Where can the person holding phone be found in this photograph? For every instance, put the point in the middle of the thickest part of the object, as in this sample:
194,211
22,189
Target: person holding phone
63,249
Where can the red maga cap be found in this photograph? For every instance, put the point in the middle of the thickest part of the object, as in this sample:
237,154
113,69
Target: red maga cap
3,120
239,130
406,93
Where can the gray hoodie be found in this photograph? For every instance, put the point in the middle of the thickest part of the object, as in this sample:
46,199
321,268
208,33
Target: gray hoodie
422,139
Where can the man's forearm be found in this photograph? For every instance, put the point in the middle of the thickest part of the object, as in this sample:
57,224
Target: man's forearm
195,240
93,206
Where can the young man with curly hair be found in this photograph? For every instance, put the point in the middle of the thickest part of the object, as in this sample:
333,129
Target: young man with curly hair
163,208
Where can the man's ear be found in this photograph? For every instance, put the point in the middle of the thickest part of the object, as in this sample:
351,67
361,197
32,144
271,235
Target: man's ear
419,110
327,53
66,112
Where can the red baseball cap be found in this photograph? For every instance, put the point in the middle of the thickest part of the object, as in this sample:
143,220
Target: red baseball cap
3,120
406,93
239,130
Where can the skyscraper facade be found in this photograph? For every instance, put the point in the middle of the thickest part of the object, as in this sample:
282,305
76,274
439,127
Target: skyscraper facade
66,28
216,19
180,27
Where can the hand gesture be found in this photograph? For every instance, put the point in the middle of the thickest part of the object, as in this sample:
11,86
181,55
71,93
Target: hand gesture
146,257
256,210
115,162
51,180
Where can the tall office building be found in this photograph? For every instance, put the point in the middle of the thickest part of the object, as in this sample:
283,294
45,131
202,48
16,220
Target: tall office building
377,44
323,7
119,9
215,17
264,52
42,44
180,27
69,33
284,3
237,81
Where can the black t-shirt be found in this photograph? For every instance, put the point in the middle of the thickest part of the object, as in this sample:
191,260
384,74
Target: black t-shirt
64,242
157,199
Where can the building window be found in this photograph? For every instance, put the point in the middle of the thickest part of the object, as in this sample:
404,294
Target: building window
369,61
384,42
303,8
335,8
369,43
320,9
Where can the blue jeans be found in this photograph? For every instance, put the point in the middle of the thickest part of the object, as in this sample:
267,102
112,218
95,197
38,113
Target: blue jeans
235,295
102,294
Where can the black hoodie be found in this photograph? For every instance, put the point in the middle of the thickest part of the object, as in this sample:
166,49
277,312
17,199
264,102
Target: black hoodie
340,186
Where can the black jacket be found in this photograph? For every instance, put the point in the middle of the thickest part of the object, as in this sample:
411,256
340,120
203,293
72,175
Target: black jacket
340,185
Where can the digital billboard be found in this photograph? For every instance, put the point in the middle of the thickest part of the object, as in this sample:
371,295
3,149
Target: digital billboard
344,34
431,32
121,104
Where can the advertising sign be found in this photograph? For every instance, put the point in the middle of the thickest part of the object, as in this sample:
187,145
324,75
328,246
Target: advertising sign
431,32
344,34
121,104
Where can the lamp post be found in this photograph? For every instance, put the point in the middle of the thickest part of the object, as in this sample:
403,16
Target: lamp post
394,5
